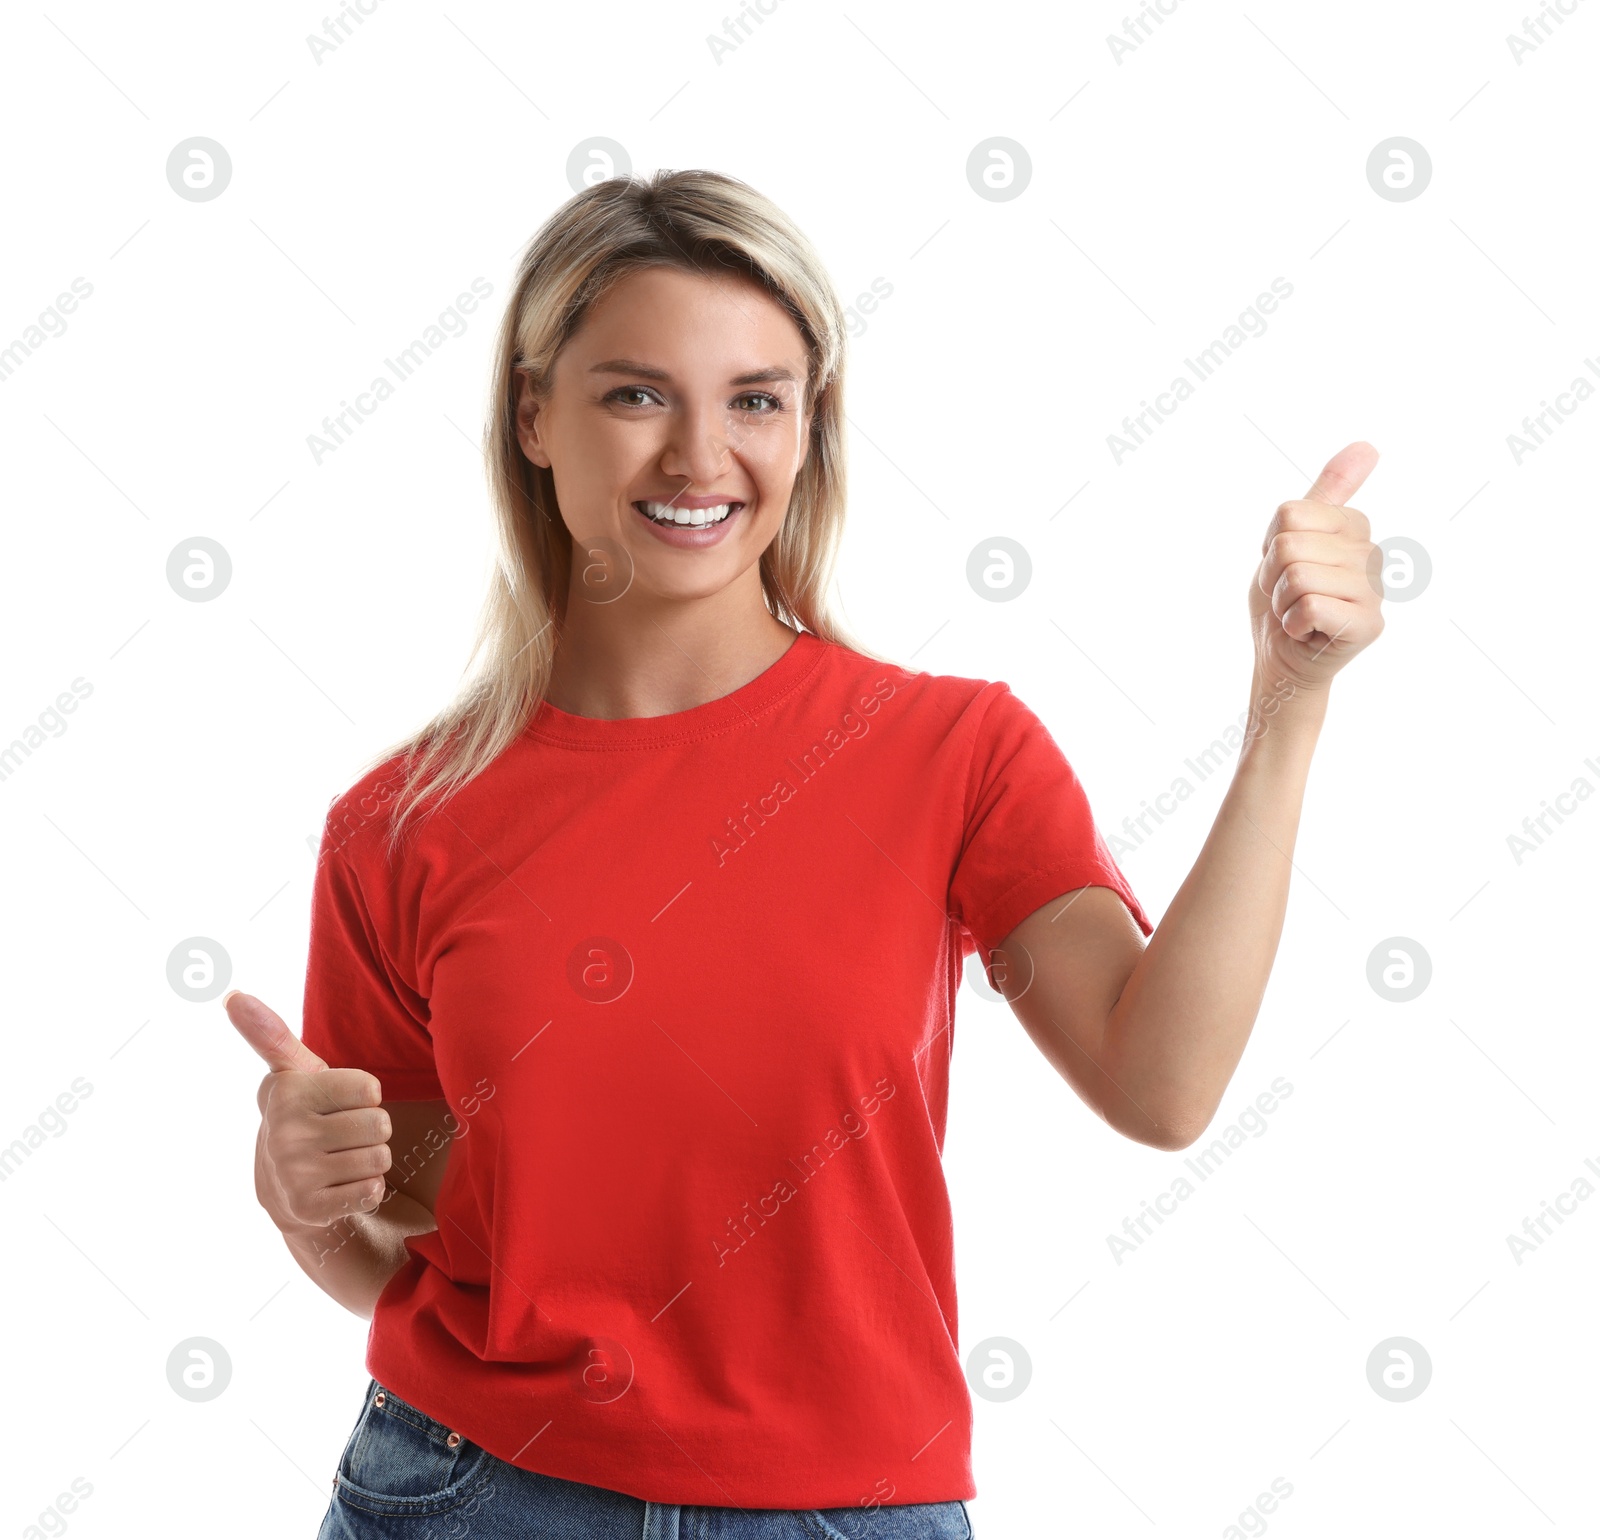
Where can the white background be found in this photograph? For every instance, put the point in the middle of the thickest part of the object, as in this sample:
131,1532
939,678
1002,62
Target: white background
1167,191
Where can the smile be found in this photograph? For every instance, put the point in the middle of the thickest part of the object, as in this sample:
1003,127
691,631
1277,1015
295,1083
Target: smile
696,518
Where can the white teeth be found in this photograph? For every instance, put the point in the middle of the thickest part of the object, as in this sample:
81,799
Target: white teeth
667,513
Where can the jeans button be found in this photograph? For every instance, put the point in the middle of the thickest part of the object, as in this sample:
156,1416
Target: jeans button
453,1440
378,1399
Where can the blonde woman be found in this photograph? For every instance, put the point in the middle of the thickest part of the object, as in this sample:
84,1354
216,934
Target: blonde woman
621,1091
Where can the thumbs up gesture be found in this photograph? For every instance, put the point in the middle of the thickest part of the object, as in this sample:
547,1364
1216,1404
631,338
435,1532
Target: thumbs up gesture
1314,602
323,1144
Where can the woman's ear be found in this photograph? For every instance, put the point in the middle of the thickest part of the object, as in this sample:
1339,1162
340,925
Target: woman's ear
528,434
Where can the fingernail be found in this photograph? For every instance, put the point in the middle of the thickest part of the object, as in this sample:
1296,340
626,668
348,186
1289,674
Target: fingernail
230,994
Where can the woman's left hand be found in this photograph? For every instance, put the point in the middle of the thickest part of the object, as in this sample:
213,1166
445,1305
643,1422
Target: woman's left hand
1315,601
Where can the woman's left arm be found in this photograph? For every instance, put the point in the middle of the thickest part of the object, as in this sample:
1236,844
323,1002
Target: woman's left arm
1150,1035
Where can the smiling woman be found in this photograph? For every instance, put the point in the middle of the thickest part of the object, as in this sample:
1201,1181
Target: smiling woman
609,1035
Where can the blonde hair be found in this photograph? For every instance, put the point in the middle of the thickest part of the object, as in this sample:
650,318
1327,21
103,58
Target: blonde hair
697,221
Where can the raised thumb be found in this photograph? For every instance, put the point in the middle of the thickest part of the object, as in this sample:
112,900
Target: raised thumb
267,1032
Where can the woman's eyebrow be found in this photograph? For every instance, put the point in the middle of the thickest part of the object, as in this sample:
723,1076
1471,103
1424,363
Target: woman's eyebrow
772,374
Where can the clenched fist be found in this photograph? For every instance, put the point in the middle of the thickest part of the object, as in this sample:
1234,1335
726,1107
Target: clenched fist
323,1144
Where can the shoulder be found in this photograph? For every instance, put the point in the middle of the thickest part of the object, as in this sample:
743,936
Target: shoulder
357,821
955,720
953,699
958,723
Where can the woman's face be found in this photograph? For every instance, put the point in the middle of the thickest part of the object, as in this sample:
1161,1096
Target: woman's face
678,398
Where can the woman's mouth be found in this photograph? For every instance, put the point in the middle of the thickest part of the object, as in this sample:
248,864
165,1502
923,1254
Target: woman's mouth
693,527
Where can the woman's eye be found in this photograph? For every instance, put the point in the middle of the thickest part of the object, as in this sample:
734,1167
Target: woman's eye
765,402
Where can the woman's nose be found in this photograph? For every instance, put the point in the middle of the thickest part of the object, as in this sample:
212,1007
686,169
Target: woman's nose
703,440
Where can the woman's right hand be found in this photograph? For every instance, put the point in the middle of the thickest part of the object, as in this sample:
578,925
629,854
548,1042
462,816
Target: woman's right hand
323,1144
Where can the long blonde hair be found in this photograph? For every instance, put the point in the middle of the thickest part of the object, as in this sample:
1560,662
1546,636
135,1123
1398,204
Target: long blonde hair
698,221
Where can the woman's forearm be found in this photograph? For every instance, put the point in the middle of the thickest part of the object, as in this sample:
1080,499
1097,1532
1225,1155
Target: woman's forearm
1180,1025
352,1259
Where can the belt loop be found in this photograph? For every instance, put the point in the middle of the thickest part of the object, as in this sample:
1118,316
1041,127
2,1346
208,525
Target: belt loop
661,1521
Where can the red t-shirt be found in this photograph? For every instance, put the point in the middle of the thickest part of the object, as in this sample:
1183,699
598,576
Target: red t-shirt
688,983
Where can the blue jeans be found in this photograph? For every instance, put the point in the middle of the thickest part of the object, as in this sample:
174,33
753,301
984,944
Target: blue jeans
402,1478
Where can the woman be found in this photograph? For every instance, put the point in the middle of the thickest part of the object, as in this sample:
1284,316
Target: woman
636,978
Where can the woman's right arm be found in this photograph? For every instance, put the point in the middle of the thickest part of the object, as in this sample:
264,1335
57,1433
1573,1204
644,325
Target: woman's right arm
344,1175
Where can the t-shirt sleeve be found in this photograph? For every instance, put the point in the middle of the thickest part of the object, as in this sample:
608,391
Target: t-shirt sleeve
359,1011
1028,833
